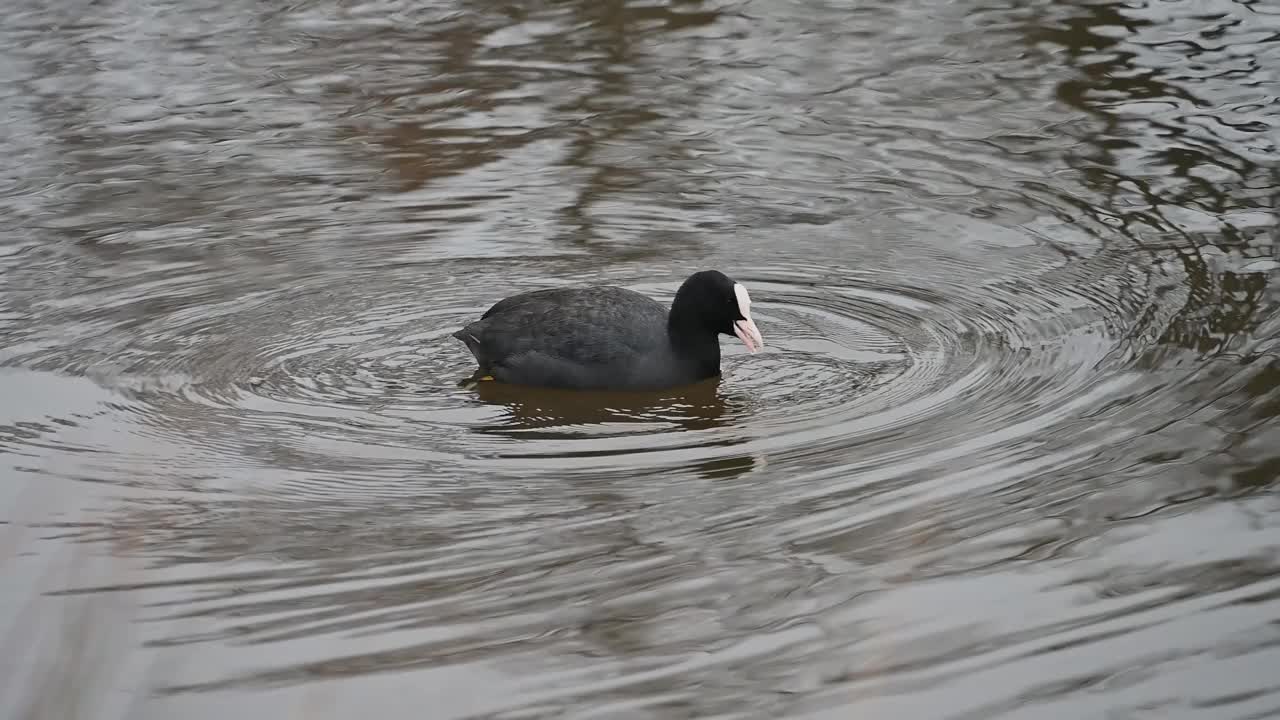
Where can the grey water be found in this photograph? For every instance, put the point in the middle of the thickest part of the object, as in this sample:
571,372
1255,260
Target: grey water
1011,450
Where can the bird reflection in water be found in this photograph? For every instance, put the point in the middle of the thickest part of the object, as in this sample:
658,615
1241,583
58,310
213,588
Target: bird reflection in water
564,414
616,419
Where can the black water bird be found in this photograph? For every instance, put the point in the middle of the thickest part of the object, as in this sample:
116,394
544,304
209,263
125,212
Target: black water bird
611,338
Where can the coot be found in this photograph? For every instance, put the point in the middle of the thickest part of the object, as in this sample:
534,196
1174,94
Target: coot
610,338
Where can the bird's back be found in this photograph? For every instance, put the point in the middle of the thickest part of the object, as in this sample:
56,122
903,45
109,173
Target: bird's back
581,336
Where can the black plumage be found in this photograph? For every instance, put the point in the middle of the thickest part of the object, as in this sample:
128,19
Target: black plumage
610,338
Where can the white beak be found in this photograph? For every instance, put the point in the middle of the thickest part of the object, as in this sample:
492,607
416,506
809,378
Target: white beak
746,330
749,334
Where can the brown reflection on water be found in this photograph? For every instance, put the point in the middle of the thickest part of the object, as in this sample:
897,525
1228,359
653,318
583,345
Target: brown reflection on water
1201,199
696,407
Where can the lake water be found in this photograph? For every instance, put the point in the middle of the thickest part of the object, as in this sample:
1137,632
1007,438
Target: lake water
1011,450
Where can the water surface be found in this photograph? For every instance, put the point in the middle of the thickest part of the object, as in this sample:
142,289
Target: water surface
1011,450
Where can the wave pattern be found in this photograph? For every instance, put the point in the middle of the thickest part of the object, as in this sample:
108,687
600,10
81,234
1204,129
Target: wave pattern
1010,451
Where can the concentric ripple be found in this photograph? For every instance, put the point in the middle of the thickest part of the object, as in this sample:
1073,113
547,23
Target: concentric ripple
329,368
396,496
